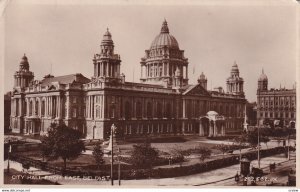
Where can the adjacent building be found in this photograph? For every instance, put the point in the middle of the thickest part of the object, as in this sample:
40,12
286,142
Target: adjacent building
277,106
7,108
163,103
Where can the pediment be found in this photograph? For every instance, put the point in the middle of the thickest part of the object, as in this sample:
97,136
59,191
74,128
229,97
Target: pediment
51,87
196,90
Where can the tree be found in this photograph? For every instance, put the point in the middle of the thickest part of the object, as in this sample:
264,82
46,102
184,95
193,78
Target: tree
241,141
143,155
223,148
204,153
98,154
63,142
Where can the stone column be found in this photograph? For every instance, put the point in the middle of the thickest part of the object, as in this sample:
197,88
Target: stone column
45,114
200,128
33,106
89,107
223,129
210,129
51,107
215,129
27,107
58,106
68,107
92,107
183,109
107,69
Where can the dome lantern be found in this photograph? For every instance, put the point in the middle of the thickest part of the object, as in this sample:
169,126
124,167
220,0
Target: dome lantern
164,27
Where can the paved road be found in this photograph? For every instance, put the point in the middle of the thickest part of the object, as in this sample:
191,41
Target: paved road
279,177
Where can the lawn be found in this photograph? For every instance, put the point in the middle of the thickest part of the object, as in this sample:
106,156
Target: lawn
164,150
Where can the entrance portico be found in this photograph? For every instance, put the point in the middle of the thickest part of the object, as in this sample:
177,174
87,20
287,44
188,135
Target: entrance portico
212,125
32,125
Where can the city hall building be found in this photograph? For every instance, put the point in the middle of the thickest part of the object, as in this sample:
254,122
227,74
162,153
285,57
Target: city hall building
275,104
163,103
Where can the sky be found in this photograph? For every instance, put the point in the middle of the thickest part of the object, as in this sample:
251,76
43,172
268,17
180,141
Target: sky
61,38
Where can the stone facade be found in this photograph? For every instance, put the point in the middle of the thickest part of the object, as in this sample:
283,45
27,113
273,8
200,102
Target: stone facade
275,104
163,103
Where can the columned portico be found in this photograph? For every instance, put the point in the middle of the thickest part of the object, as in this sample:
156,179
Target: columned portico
212,125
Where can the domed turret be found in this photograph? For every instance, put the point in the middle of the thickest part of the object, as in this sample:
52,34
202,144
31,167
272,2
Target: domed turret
202,81
23,77
107,38
262,82
235,70
263,76
24,65
235,84
107,63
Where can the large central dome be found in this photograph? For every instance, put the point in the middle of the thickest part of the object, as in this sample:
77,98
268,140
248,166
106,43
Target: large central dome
164,39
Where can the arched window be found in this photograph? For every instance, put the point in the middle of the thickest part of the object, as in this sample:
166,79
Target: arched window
25,108
30,108
138,109
149,109
43,108
37,107
17,107
127,110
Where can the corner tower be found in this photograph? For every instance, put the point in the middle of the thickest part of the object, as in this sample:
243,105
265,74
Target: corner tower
235,84
107,63
262,82
23,77
202,80
164,62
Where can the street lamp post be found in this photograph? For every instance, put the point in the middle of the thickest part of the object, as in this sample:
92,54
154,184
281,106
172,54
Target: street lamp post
119,167
288,147
9,151
258,147
113,127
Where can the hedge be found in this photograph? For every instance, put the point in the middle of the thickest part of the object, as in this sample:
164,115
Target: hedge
130,173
